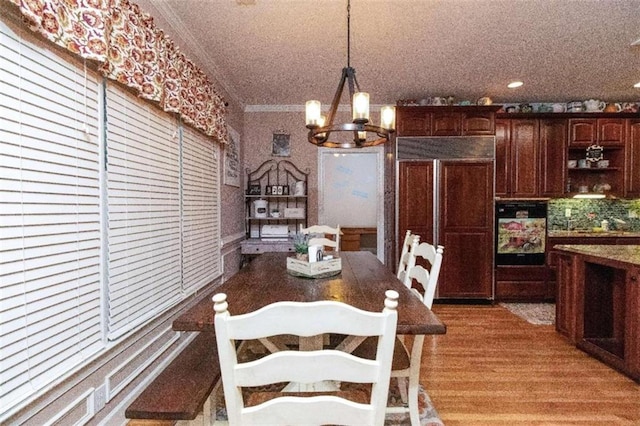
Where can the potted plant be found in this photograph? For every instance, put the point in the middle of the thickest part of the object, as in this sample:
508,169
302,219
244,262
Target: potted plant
301,246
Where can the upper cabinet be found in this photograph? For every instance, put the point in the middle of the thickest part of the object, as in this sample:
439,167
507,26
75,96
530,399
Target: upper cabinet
537,154
445,120
584,132
632,178
517,158
608,133
556,147
553,157
413,121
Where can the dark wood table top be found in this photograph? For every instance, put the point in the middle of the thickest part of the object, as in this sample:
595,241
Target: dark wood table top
362,283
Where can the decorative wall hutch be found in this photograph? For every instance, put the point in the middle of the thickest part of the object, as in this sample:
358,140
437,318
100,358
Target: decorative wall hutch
275,206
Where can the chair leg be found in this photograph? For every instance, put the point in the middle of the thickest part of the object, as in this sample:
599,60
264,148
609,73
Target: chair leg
414,379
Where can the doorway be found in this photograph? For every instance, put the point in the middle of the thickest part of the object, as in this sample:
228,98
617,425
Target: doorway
350,194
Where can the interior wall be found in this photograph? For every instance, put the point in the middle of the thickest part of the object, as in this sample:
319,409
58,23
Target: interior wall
232,201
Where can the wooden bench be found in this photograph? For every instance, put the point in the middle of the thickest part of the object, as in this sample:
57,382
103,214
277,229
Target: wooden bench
182,388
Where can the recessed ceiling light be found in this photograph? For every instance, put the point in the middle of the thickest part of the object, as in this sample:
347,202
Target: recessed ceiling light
637,85
514,84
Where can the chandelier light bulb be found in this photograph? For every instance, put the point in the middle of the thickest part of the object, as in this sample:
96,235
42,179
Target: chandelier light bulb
360,107
388,117
321,122
313,113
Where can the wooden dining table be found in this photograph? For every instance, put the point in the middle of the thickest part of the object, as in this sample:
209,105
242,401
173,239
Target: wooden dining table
361,283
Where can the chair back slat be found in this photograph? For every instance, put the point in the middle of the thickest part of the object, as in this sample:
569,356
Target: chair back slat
294,411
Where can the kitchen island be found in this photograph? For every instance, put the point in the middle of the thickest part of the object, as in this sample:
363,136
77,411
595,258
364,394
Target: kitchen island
598,302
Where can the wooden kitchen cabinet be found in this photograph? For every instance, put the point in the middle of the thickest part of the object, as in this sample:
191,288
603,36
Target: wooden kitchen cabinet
553,157
523,283
566,297
632,174
553,269
478,122
413,121
598,304
517,154
584,132
445,120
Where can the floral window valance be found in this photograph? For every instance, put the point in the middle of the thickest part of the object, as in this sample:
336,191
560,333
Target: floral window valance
132,51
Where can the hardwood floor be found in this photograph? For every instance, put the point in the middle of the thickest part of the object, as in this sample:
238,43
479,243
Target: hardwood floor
493,368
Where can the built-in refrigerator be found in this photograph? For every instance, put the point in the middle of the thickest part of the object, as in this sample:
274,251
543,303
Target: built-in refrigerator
445,193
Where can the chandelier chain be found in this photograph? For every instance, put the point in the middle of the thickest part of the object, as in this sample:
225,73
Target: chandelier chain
348,33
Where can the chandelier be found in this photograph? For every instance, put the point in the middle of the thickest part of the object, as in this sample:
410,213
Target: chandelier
359,133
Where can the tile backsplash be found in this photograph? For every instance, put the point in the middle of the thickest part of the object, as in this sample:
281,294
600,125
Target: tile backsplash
586,214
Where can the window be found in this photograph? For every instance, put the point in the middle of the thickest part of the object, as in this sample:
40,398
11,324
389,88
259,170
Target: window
143,191
104,222
50,314
200,211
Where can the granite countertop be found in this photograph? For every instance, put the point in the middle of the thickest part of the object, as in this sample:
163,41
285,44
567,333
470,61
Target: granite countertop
592,234
621,253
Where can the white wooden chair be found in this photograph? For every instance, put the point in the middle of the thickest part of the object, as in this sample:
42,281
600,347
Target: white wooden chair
325,230
305,319
407,366
410,240
406,362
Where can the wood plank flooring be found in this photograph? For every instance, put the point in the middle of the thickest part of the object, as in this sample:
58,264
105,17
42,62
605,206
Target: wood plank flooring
493,368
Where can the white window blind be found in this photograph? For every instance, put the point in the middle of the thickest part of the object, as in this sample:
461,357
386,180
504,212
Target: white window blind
201,210
49,215
143,190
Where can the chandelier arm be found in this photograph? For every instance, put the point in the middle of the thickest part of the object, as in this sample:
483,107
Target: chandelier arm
353,84
336,98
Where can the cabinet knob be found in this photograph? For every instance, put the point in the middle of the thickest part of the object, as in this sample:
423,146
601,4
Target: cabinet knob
634,278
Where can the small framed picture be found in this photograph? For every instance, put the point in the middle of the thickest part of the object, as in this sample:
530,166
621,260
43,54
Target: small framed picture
267,190
274,189
285,190
280,190
281,145
254,190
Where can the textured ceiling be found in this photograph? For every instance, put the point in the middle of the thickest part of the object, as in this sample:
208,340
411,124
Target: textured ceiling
284,52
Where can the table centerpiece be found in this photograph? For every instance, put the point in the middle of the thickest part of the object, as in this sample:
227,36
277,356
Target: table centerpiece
300,266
